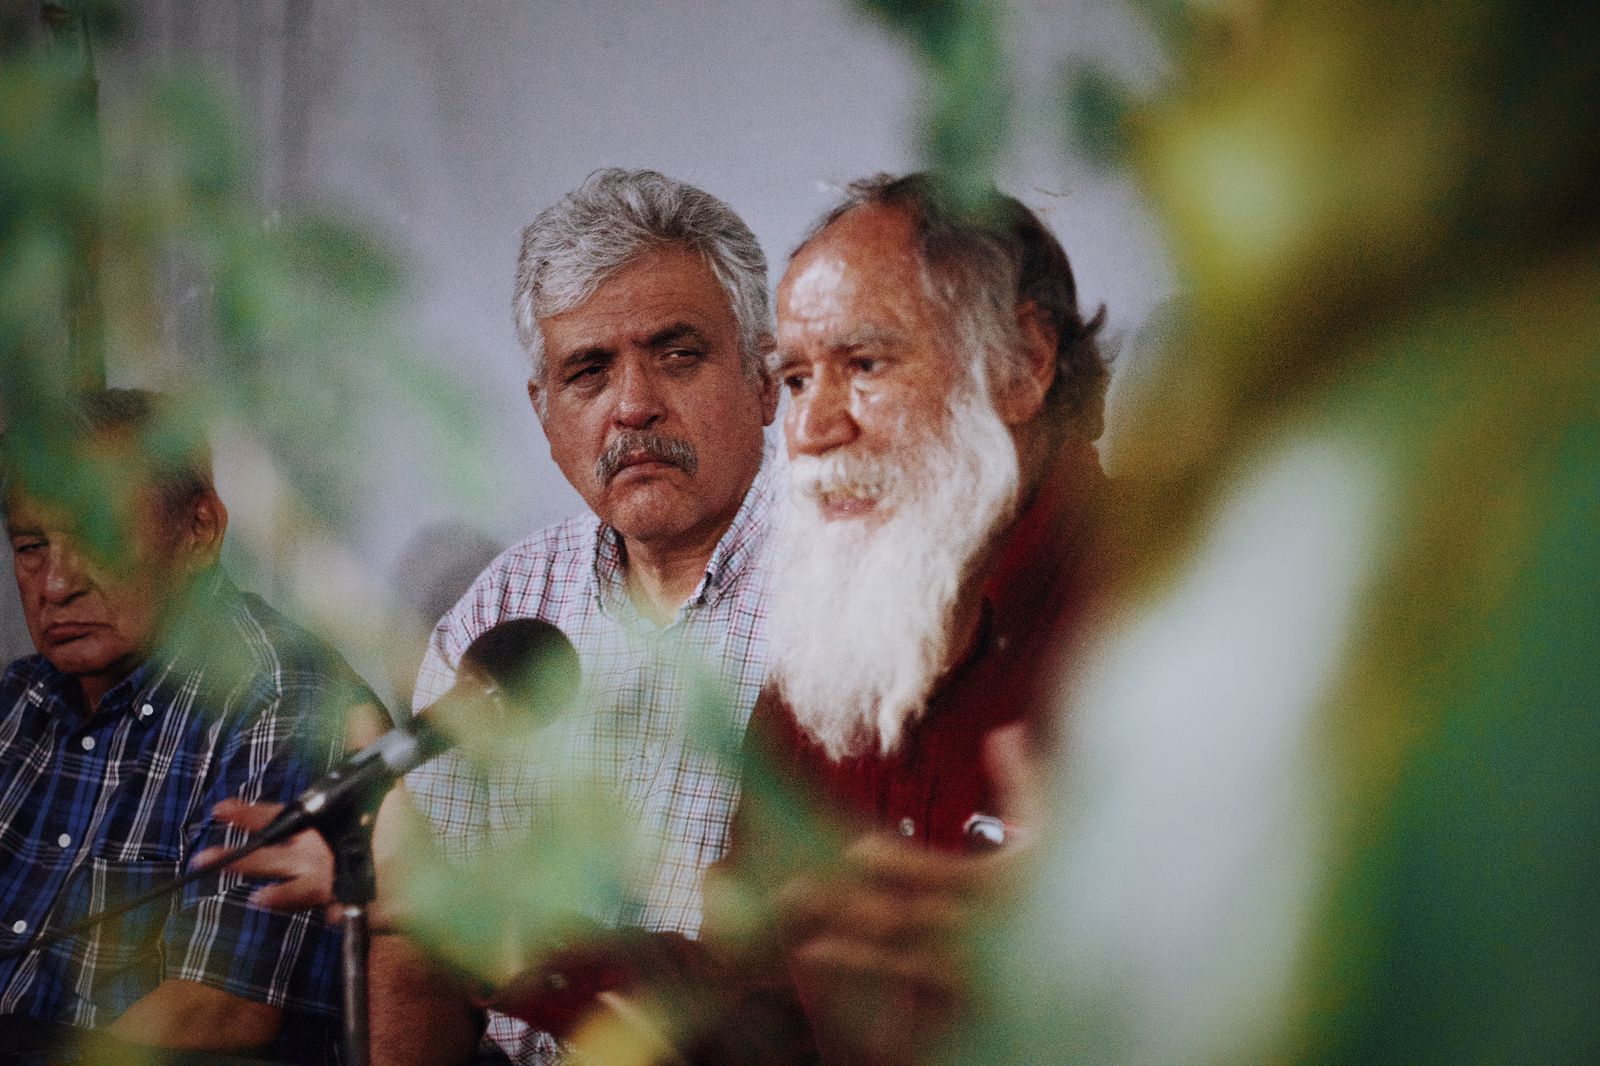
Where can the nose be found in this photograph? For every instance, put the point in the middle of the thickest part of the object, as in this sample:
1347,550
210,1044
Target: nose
65,575
639,401
819,418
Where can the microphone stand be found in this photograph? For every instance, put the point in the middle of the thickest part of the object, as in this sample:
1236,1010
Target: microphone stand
347,828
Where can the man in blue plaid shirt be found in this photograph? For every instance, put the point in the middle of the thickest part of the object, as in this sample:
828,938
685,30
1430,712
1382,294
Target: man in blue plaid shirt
158,690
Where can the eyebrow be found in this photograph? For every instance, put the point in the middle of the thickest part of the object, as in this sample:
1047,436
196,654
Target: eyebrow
583,355
865,337
673,334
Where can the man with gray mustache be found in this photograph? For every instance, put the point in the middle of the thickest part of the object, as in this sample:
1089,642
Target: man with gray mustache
642,304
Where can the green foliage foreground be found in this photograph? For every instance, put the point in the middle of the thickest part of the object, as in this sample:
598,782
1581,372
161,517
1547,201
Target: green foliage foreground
1385,223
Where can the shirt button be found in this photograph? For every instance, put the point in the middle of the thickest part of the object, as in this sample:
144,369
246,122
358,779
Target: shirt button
88,743
64,840
908,828
19,926
146,711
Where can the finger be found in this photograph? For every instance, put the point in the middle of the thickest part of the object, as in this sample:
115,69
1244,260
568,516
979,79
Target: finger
245,866
282,863
800,906
249,816
1019,781
893,862
871,911
305,863
297,894
898,920
832,959
206,855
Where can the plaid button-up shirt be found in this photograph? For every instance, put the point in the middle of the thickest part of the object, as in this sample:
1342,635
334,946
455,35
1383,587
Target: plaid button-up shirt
628,727
94,810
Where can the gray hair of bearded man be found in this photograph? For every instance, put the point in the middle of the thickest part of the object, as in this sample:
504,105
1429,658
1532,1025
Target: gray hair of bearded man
573,246
978,268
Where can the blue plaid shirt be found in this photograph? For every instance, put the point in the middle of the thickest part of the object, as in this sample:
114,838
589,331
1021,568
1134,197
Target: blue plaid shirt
96,810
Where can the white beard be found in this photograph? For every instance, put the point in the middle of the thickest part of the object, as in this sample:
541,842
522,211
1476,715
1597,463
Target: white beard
861,614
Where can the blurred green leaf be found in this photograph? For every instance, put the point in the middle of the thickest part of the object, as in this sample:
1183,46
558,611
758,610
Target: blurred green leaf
1097,108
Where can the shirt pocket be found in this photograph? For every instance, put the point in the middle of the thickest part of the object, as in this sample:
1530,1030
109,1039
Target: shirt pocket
129,957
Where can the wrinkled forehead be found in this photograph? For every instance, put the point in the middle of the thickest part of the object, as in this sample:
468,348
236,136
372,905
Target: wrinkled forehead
872,245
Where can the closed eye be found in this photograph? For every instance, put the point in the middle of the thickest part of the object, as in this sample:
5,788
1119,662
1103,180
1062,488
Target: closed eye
28,551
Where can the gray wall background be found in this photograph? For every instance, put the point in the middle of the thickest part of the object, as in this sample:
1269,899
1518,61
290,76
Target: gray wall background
447,126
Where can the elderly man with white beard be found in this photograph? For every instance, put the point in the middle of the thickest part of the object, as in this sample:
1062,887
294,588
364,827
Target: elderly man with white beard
935,554
944,396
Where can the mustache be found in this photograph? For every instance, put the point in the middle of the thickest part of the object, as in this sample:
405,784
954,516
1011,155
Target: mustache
844,473
637,444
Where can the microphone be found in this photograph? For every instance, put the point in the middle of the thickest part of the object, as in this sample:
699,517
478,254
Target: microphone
516,672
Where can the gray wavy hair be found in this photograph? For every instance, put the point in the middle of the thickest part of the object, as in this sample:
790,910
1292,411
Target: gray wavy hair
573,246
977,267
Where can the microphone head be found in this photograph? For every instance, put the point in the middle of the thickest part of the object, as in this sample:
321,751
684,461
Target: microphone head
530,661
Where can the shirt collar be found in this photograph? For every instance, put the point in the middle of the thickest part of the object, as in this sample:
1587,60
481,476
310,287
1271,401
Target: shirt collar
64,697
742,540
745,537
1051,527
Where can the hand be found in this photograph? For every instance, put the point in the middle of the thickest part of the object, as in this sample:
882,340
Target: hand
561,991
301,868
880,947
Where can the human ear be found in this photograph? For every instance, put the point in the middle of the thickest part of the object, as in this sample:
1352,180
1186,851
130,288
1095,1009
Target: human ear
768,383
208,522
1020,399
536,397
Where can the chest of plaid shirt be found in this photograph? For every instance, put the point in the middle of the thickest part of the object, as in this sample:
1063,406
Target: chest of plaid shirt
96,809
628,727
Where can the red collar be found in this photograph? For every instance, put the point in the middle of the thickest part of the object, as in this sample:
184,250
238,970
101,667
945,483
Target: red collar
1053,525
